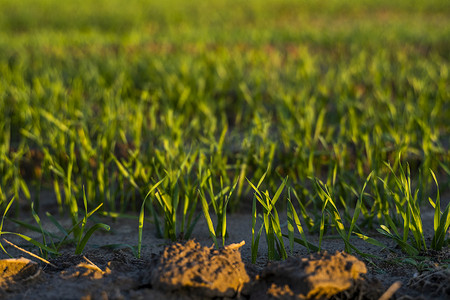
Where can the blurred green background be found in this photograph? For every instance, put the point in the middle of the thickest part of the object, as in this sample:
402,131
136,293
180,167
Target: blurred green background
118,92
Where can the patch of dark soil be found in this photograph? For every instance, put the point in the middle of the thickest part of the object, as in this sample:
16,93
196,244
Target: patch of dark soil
438,257
363,289
417,271
434,284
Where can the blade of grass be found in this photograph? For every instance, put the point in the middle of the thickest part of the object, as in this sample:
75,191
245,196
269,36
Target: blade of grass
255,238
296,221
57,224
38,221
141,216
33,228
405,246
358,206
32,241
290,226
1,224
370,240
441,220
205,208
88,234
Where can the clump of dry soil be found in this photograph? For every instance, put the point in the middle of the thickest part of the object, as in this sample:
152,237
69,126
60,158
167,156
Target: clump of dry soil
17,271
202,271
319,276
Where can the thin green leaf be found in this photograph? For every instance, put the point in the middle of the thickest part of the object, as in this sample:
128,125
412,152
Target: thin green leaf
305,244
278,193
370,240
358,206
32,241
1,224
88,234
141,216
211,229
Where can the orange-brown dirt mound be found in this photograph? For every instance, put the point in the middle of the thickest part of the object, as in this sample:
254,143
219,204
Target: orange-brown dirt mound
318,277
17,271
201,271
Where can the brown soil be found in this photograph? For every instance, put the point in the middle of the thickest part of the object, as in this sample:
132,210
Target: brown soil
195,270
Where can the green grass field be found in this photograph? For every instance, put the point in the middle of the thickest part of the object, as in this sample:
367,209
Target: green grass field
106,99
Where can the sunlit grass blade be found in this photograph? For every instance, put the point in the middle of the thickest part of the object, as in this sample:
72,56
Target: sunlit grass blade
270,239
212,231
277,230
358,206
441,220
290,226
81,237
271,221
34,242
331,209
80,232
258,195
1,224
224,221
274,200
404,245
322,221
224,214
117,215
370,240
141,216
255,236
406,203
296,220
309,221
261,179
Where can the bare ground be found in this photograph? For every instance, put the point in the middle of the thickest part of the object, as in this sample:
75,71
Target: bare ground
195,270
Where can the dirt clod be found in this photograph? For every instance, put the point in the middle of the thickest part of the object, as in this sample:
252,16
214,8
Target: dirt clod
319,276
200,271
17,271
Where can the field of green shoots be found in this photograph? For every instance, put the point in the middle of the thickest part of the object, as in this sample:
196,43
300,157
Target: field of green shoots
335,114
